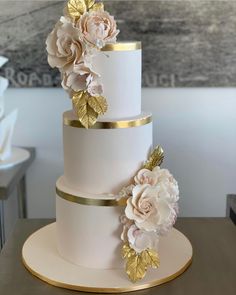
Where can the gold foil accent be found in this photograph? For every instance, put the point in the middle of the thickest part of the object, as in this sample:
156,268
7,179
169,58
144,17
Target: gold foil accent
97,6
99,104
135,287
88,107
122,46
112,124
76,8
155,159
84,112
90,201
137,263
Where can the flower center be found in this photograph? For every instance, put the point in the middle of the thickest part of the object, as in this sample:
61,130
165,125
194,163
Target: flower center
145,207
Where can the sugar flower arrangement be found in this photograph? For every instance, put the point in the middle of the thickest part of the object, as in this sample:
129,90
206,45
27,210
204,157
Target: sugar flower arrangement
84,29
151,211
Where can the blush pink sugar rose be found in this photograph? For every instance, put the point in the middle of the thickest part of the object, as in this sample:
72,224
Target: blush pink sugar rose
97,28
64,46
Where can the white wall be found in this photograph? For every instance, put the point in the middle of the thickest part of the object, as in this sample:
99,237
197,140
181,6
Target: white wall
196,127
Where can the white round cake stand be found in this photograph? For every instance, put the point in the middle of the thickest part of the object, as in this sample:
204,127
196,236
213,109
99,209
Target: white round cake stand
18,155
41,258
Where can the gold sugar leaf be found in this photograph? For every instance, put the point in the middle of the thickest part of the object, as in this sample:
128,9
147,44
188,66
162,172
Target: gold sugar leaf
127,251
89,3
97,6
90,118
79,101
137,263
156,158
151,258
99,104
136,268
76,8
77,96
86,114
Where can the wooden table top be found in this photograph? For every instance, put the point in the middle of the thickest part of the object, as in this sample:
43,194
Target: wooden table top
10,177
213,270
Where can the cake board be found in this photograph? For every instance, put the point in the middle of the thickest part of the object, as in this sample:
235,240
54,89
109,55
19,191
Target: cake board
41,258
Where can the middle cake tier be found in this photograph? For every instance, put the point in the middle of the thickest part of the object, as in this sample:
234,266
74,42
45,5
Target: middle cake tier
103,159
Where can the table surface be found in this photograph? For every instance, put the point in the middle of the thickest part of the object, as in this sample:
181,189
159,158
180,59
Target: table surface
213,270
10,177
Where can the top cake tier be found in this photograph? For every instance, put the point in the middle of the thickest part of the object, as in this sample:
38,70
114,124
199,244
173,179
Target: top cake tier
120,67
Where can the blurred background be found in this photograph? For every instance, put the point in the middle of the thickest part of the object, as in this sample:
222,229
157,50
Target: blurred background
189,79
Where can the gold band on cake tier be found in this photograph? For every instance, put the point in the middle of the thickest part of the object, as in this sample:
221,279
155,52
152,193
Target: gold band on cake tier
123,46
90,201
111,124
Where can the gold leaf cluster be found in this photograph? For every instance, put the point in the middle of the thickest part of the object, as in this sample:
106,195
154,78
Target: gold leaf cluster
76,8
156,158
97,6
137,263
88,107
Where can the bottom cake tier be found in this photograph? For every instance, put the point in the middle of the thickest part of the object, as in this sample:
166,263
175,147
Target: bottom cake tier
88,228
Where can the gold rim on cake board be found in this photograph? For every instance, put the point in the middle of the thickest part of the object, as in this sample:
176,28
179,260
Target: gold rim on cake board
107,290
136,287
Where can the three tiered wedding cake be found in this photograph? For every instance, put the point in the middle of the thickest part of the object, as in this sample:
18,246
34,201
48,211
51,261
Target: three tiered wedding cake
113,202
103,154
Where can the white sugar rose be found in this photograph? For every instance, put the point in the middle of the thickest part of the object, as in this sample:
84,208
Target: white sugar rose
74,82
166,178
97,28
126,191
95,88
146,176
126,225
164,228
139,239
163,175
80,79
148,208
65,85
64,46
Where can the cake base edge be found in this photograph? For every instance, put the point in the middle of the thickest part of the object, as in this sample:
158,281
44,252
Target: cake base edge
41,259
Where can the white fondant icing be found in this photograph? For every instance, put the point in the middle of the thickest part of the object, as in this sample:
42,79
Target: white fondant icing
88,235
102,161
121,78
3,86
7,125
99,162
3,60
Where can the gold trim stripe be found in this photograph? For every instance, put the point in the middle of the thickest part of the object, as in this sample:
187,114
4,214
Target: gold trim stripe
122,46
112,124
107,290
91,202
